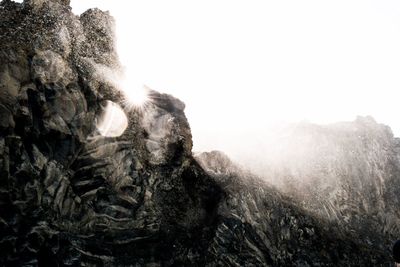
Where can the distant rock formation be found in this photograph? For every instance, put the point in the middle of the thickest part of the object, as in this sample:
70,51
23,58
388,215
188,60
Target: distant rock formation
346,172
70,196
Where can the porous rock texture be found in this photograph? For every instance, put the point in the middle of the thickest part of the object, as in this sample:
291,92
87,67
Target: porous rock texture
71,197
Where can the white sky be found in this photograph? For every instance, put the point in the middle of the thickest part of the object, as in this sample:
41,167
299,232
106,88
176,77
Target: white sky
242,66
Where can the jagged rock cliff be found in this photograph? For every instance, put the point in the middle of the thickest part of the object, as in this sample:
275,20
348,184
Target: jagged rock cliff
347,172
70,196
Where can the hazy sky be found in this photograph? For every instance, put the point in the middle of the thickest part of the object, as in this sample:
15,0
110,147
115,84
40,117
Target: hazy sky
242,66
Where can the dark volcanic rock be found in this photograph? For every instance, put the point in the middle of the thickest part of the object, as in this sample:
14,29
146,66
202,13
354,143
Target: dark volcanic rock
288,232
72,197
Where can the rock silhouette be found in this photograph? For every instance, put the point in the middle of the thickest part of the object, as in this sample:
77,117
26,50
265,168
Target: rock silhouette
70,196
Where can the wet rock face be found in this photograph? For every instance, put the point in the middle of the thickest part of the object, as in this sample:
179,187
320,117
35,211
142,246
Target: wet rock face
70,196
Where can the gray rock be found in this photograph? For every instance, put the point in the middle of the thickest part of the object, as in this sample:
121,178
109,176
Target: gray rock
71,197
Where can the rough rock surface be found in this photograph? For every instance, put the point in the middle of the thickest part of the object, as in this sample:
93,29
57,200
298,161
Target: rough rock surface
71,197
347,172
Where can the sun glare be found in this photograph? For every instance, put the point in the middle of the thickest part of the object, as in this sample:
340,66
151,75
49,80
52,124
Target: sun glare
113,122
281,62
136,96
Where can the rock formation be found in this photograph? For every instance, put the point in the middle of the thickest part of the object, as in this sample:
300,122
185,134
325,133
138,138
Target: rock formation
347,172
70,196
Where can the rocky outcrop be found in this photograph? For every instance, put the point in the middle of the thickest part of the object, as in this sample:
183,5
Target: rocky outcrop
72,196
345,172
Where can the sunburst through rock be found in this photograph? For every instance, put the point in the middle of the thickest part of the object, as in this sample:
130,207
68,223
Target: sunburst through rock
136,96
